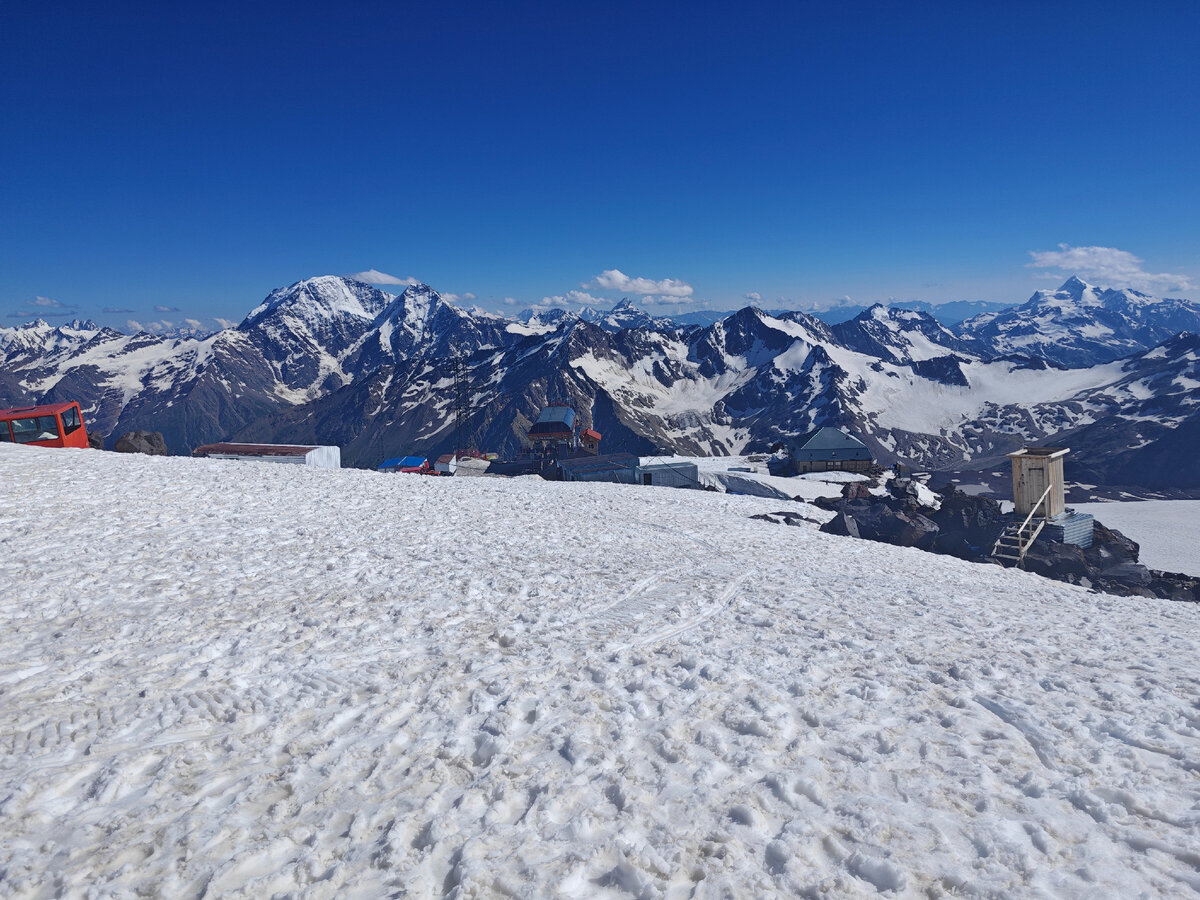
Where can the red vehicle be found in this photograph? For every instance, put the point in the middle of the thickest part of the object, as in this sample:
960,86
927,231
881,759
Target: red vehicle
52,425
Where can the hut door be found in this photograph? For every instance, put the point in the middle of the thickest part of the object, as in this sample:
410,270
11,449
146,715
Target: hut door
1036,487
647,478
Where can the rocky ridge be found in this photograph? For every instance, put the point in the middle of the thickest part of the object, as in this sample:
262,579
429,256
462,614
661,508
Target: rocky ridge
330,360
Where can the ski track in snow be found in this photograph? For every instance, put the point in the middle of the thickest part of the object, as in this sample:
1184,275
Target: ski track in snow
239,679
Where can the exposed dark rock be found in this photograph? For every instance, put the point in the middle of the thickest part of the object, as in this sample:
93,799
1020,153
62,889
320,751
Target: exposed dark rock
95,440
857,490
150,443
786,517
841,524
1175,586
916,531
968,526
1110,548
945,369
1128,574
882,521
1109,565
1062,562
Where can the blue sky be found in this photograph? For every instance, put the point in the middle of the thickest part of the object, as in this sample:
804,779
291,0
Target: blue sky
182,162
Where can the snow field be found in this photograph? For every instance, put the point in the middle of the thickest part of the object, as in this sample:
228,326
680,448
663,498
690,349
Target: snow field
1167,531
240,679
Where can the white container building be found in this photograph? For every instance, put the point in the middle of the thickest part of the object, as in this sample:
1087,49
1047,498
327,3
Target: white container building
322,457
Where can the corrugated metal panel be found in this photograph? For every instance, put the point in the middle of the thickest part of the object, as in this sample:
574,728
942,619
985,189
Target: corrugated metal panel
1071,528
324,457
669,474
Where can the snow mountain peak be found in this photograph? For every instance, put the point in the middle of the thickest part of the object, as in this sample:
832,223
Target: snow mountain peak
1075,286
320,299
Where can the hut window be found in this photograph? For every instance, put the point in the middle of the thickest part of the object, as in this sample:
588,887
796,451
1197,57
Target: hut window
71,420
35,428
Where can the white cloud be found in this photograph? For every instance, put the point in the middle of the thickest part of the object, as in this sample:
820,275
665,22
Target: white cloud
374,276
48,302
1108,267
571,298
166,309
149,327
224,323
819,305
666,301
194,323
616,280
511,301
754,297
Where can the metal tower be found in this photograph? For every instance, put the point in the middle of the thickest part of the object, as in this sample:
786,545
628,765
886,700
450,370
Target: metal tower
462,399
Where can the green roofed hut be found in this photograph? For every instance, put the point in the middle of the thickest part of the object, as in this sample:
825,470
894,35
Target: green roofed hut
829,450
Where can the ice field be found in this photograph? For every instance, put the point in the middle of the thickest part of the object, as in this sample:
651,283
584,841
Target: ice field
252,680
1168,531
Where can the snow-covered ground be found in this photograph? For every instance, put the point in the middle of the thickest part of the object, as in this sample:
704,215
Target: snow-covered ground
750,475
240,679
1167,530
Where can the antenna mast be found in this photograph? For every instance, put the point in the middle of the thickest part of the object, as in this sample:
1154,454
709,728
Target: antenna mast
462,399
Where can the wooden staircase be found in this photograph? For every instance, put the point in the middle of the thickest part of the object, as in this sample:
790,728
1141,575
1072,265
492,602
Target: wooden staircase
1015,540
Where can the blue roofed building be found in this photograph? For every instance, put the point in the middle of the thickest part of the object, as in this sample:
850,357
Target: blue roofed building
829,450
554,424
403,464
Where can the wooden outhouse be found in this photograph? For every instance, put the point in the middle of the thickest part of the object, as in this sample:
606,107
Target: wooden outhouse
1038,484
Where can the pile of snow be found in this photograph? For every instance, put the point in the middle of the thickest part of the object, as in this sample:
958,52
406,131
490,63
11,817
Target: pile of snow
221,677
1165,530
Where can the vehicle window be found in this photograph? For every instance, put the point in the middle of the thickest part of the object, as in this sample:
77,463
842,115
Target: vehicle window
35,428
5,434
71,420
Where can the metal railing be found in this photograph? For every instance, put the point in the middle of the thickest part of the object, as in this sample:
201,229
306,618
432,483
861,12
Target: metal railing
1023,543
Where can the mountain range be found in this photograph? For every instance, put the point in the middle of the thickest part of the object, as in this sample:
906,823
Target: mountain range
1111,373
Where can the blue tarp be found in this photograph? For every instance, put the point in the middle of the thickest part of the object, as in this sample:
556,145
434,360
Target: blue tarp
402,462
